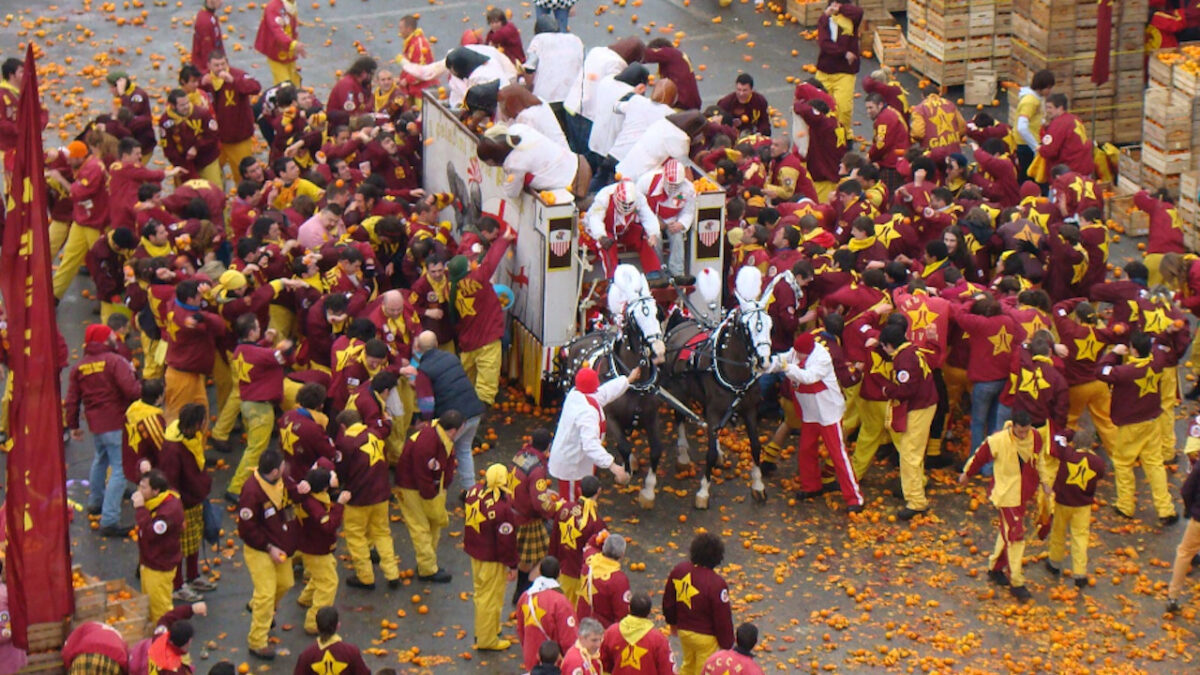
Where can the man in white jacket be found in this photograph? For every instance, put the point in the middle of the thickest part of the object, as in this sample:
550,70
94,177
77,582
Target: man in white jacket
673,198
620,219
813,385
578,447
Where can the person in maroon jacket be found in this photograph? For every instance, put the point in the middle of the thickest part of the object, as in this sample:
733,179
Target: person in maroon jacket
206,35
746,109
544,613
826,145
504,36
142,439
696,603
182,462
257,370
159,515
838,61
993,336
914,401
998,172
105,263
604,593
633,646
430,296
191,334
125,176
490,539
1080,471
675,66
1064,141
364,471
319,518
890,140
90,212
232,91
189,138
302,435
575,525
478,318
134,99
330,653
534,503
425,470
104,384
351,95
269,532
168,653
740,659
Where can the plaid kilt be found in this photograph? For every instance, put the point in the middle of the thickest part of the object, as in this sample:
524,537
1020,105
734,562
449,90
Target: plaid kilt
533,542
94,664
193,530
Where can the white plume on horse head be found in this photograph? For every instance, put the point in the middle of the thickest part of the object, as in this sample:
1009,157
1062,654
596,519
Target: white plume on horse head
630,294
747,286
708,282
628,284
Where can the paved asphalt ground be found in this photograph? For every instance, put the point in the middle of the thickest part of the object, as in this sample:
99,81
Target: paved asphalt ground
829,592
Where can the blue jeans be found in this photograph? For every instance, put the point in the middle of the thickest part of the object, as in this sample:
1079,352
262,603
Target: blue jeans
562,16
108,460
986,411
462,451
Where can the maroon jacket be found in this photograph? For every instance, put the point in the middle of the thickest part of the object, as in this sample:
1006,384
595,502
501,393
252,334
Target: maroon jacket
426,462
89,195
304,442
1085,343
339,652
605,600
753,115
480,318
697,599
231,107
206,38
1135,387
347,99
262,523
541,616
891,139
191,349
1067,489
124,179
158,534
533,498
832,57
913,385
507,39
181,134
1038,388
318,525
106,267
183,473
105,384
674,65
258,372
573,529
826,147
363,469
494,537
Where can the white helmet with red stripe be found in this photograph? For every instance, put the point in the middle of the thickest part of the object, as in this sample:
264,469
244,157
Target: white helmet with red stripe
623,197
673,176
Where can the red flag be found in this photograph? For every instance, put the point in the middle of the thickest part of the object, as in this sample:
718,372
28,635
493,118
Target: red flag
39,548
1104,23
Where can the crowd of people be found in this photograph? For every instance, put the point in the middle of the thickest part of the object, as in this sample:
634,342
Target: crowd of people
942,267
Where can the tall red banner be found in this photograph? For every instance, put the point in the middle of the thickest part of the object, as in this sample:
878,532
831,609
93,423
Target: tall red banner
39,547
1101,67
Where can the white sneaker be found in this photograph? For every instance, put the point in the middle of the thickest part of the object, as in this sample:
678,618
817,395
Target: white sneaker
186,594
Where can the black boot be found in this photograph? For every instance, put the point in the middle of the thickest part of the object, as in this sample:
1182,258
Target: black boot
523,583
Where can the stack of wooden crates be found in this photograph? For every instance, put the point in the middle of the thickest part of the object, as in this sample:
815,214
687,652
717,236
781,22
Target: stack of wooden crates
1060,36
1170,153
953,41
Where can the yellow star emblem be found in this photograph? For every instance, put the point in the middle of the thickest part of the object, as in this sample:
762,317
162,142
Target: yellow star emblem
240,369
880,366
1032,382
1001,341
1156,321
1148,383
570,534
288,438
631,657
1088,348
1080,473
347,355
374,448
1034,325
465,305
533,612
172,325
886,233
684,590
921,317
474,516
328,665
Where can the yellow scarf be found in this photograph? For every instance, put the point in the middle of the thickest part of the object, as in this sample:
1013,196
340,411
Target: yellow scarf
602,567
845,25
441,289
274,491
194,445
322,497
157,250
930,269
157,500
863,244
11,87
381,98
634,628
588,514
193,124
444,437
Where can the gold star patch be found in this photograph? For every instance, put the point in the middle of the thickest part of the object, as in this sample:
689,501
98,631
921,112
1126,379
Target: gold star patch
631,657
1001,341
474,516
374,448
1088,348
240,369
886,233
288,438
1148,383
1034,325
328,665
684,590
1156,321
1032,382
880,366
921,317
570,534
1080,474
533,612
172,325
465,305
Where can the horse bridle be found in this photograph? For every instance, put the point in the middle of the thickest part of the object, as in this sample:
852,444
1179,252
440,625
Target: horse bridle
648,308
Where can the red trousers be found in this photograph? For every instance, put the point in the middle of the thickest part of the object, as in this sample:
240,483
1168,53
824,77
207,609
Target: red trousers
808,459
633,239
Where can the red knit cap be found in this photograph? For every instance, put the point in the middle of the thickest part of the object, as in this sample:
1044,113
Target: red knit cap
96,332
804,343
587,380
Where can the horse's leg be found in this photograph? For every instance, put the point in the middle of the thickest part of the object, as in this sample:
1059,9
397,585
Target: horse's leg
713,417
683,459
757,488
650,425
624,446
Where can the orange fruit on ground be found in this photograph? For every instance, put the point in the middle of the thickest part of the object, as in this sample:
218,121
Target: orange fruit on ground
423,609
416,599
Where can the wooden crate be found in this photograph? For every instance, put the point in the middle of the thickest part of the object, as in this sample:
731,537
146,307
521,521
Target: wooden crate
980,88
44,637
44,663
1135,222
1166,162
1189,186
1152,179
805,13
91,599
1129,163
890,46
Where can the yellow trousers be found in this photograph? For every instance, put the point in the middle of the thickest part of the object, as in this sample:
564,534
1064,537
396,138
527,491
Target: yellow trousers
911,446
489,580
851,419
271,581
841,87
283,320
1140,442
58,236
570,587
1014,550
1189,546
1166,421
232,155
1078,520
80,240
5,402
222,378
182,388
483,367
1096,398
697,647
1152,261
363,527
957,384
227,416
824,188
425,520
281,72
321,589
259,419
212,174
158,588
872,432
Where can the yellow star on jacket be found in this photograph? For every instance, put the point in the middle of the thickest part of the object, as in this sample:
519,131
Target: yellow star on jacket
943,121
570,533
1034,325
172,325
1148,383
474,516
1080,474
1157,321
684,590
880,366
1088,348
1032,381
1001,341
921,318
374,448
328,665
886,233
631,657
240,369
532,611
288,438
